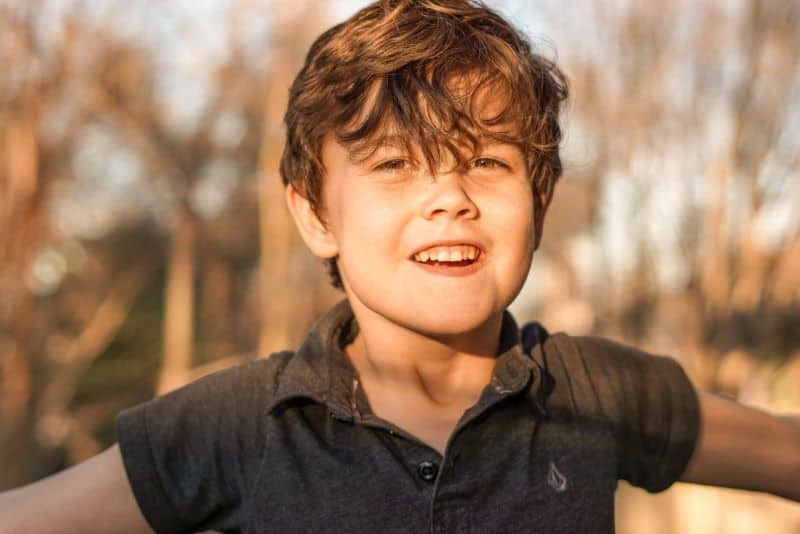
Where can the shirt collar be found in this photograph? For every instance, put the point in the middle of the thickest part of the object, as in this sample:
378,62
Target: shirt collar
321,371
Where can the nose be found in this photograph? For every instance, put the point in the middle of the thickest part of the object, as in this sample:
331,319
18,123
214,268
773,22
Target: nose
446,197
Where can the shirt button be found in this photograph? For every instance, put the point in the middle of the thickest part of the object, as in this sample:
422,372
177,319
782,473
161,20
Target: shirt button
427,471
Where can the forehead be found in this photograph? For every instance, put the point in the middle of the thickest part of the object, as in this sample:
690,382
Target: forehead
469,112
480,96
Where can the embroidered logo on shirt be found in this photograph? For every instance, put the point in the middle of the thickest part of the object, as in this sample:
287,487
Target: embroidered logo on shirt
555,479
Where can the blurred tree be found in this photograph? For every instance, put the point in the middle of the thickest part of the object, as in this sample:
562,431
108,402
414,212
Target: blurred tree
685,125
113,175
684,133
144,242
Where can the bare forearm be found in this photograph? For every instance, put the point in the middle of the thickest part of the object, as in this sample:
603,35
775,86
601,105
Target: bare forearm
793,420
794,490
746,448
91,497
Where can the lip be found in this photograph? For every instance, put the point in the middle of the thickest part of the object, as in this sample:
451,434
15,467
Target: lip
462,270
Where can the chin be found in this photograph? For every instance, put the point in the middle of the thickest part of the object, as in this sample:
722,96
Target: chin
451,322
428,314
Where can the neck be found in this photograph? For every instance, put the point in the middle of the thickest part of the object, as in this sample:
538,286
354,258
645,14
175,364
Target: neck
444,369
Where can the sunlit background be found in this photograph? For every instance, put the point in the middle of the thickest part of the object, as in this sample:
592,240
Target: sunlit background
144,241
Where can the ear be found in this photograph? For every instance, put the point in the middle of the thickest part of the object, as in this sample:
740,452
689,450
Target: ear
315,234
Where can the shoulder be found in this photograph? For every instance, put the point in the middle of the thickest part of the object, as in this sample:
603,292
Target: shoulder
591,347
598,358
197,448
261,373
642,406
223,396
600,376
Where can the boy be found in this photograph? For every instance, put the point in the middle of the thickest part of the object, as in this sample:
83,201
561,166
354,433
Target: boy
421,155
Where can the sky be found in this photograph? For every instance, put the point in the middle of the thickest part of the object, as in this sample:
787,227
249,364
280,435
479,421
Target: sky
188,36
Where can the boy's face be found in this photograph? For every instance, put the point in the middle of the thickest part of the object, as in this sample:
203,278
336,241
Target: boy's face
385,213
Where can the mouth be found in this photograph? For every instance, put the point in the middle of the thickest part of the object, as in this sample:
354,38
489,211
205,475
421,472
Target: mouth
454,260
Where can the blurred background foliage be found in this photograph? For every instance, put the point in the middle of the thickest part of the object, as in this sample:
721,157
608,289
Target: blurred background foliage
144,241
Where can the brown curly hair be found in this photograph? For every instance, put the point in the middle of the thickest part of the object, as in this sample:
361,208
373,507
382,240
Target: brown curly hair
420,67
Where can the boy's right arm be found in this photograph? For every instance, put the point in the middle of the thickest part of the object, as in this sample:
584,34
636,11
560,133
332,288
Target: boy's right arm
93,496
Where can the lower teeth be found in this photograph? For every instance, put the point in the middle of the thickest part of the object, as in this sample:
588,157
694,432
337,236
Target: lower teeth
450,263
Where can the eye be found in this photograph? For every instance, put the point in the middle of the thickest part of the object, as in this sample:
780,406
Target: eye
484,162
393,165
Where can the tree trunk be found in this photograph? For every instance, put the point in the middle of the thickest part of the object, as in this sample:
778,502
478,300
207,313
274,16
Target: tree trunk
178,307
273,224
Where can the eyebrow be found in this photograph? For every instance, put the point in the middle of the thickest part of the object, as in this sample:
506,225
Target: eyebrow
361,151
364,149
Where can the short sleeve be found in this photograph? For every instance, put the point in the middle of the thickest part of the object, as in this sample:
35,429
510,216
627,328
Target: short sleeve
647,401
191,454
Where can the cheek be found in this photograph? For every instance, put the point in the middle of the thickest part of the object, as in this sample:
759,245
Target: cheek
371,230
515,213
350,213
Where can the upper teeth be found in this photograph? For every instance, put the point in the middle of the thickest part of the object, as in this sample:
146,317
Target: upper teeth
442,253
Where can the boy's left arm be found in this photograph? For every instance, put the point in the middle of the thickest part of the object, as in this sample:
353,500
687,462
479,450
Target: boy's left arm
746,448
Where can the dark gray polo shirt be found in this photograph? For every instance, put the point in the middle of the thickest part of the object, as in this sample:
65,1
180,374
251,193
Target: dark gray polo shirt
289,443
